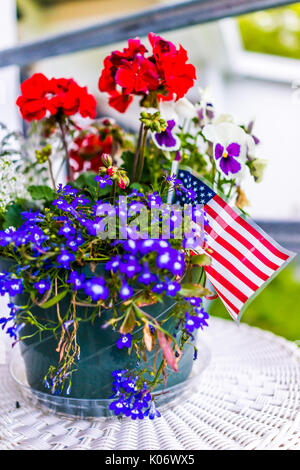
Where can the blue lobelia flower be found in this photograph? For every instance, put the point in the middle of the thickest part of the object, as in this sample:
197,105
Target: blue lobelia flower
152,412
43,285
77,280
192,322
96,289
64,259
103,181
124,341
126,291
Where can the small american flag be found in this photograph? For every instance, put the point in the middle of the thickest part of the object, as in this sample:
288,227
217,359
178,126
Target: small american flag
244,257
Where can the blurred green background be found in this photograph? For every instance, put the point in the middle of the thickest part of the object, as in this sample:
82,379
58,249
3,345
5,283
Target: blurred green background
275,31
277,308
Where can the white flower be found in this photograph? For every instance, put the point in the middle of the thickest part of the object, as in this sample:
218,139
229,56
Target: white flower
177,110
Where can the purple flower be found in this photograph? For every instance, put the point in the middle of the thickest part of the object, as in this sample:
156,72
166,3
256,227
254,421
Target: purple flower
43,285
14,286
64,259
202,315
194,301
72,244
77,280
166,140
36,236
67,189
124,341
227,157
192,322
159,288
173,288
96,289
30,216
146,277
154,199
117,406
152,412
67,230
126,291
103,181
130,268
113,264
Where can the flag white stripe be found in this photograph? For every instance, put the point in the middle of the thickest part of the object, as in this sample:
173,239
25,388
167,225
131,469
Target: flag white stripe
242,231
212,243
239,246
229,296
240,285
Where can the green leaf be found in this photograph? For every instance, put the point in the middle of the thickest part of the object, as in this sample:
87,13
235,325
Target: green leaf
41,192
55,299
12,217
193,290
200,260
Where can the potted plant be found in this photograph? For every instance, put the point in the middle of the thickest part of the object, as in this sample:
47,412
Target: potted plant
106,276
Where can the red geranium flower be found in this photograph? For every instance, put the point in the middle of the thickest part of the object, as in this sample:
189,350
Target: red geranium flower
32,102
164,75
56,96
87,150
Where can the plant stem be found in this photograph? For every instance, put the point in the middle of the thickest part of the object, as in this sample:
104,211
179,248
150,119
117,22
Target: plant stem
137,152
51,174
142,156
65,146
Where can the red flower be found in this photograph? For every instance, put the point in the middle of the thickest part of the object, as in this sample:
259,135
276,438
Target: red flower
119,101
178,76
32,102
165,75
87,150
55,96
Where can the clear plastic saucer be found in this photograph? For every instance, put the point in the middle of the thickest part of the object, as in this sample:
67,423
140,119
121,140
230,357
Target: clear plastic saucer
99,408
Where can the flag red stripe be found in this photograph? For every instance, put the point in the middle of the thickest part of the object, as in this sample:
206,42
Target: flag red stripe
231,249
250,229
240,238
217,256
233,307
229,286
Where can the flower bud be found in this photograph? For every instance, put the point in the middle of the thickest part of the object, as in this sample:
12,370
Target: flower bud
106,159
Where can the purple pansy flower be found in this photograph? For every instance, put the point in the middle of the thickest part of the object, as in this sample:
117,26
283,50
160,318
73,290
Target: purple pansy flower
166,140
227,157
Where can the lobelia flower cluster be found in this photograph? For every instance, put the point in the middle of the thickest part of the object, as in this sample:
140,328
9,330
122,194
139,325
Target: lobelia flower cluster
115,211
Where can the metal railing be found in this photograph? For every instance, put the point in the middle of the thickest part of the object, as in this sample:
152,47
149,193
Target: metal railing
161,18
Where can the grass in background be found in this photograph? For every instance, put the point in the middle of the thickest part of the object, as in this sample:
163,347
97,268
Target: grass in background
275,31
276,308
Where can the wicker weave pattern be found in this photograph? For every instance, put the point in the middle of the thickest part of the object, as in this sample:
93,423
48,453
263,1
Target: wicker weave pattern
248,398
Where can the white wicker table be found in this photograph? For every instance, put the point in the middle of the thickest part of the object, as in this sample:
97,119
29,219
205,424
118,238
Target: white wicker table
248,398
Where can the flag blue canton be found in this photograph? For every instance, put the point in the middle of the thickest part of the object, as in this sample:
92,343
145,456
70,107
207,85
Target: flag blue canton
203,192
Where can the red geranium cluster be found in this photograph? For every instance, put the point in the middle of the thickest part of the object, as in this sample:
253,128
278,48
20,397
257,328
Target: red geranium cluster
55,97
87,150
127,73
